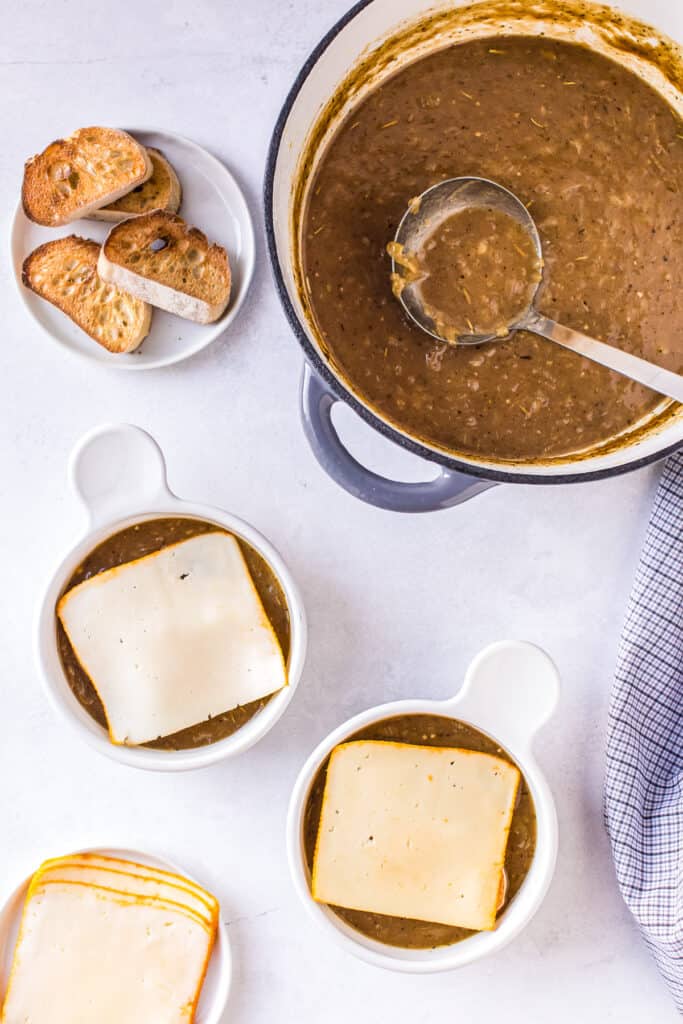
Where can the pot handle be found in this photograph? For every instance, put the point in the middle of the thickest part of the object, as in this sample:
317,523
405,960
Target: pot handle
448,488
118,469
510,690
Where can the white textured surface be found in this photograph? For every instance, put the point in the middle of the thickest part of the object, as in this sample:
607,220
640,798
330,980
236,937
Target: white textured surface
397,606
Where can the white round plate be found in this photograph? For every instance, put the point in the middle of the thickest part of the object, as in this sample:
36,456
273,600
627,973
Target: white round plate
216,986
213,202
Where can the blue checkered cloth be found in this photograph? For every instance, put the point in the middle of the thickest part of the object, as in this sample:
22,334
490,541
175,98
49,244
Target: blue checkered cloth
644,778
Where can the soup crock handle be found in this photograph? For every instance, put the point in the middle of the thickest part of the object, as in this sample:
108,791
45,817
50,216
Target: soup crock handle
511,689
116,470
448,488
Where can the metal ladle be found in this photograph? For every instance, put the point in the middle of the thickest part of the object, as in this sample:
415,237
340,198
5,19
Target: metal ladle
438,203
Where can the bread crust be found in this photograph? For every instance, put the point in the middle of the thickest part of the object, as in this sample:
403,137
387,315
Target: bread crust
166,262
74,176
161,191
64,273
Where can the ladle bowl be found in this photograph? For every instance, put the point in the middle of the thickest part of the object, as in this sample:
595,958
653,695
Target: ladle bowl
427,211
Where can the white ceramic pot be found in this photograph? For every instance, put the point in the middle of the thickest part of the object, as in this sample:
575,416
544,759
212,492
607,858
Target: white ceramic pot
510,690
367,26
119,473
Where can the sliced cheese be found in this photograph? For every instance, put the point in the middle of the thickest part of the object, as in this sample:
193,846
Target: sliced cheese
174,638
415,832
118,881
126,899
133,868
86,955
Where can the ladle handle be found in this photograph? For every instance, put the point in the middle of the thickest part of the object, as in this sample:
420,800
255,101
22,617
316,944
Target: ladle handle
448,487
666,382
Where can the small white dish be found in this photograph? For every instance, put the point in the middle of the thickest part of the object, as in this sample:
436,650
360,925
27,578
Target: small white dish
216,987
212,201
510,689
119,473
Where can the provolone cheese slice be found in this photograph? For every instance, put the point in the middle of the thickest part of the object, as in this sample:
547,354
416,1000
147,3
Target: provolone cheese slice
415,832
85,956
174,638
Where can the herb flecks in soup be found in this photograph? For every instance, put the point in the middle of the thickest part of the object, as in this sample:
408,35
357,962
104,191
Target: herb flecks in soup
597,157
476,273
170,539
422,732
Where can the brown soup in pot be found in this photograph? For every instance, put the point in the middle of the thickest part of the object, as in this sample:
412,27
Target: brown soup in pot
595,153
433,731
142,539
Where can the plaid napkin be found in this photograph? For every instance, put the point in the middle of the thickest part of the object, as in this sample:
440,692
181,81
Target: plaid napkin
644,779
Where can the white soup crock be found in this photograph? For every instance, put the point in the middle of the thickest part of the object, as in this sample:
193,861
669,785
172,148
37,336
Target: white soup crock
510,690
118,472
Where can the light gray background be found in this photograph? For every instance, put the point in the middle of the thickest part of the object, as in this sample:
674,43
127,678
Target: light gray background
397,606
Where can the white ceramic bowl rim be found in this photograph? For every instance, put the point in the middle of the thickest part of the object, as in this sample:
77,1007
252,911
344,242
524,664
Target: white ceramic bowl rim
119,473
510,690
654,445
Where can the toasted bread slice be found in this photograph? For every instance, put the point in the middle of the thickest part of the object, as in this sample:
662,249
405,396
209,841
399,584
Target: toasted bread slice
64,272
79,174
163,260
160,192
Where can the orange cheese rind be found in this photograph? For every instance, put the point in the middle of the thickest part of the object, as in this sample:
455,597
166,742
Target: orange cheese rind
122,897
132,867
119,869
